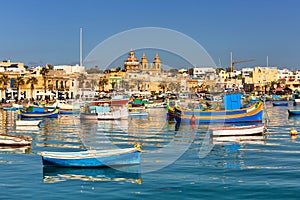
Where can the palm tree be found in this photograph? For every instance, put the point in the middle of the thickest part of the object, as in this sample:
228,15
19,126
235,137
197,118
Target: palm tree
139,83
174,86
81,78
18,82
4,80
163,86
44,71
102,83
93,83
113,84
32,81
124,84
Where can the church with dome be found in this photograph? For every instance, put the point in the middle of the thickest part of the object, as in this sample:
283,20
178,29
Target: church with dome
132,64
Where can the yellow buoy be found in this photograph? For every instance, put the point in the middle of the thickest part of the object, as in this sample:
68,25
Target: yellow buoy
293,132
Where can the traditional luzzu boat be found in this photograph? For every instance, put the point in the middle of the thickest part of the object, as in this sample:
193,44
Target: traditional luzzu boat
233,113
37,114
294,112
92,158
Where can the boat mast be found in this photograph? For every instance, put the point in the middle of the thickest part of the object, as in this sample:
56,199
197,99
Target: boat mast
80,47
231,65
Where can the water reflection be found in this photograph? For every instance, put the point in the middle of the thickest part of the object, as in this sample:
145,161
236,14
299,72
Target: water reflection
16,150
124,173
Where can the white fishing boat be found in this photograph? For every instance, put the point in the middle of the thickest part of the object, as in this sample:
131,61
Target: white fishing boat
237,130
28,122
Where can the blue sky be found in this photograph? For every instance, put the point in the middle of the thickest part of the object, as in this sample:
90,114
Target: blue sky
38,32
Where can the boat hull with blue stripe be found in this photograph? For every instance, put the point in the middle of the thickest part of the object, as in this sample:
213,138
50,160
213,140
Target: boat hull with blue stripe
52,114
294,112
92,158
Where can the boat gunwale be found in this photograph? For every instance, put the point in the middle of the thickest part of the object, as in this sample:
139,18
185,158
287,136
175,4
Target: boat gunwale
87,154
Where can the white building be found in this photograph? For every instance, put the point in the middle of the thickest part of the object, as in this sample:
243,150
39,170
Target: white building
285,74
207,73
70,69
8,66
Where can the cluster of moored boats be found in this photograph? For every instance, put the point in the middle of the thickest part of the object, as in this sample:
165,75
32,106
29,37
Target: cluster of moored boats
230,118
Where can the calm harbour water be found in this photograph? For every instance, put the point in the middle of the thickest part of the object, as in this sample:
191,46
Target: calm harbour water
266,168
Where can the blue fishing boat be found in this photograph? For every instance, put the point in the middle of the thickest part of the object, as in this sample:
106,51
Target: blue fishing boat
69,112
280,103
37,114
233,113
294,112
92,158
129,173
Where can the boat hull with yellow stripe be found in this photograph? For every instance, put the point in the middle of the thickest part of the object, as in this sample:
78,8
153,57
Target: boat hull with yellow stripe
252,114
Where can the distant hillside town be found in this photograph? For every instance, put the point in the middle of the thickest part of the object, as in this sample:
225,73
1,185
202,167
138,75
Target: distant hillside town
20,82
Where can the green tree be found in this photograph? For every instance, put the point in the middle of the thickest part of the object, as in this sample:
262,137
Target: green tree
19,82
4,79
44,71
32,81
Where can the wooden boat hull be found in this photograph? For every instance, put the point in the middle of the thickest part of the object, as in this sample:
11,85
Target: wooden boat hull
237,130
99,158
294,112
252,114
